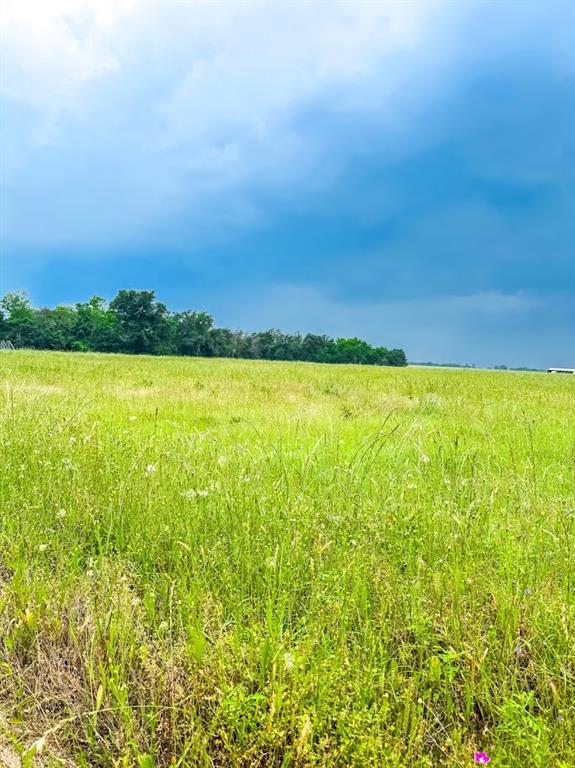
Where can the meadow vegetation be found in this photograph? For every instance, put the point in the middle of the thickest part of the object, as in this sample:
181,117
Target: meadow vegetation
247,563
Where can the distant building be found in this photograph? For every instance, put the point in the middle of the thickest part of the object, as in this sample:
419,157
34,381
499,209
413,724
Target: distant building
561,370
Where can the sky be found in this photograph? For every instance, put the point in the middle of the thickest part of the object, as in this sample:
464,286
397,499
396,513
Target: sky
399,171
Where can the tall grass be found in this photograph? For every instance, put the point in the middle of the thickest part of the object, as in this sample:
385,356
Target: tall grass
231,563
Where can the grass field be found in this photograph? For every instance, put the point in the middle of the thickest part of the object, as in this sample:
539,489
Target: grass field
232,563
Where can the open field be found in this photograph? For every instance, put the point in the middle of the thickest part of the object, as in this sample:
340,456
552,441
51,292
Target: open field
232,563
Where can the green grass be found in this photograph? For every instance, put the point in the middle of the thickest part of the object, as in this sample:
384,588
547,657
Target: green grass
232,563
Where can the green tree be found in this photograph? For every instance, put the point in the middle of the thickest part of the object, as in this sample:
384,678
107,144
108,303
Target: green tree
97,327
136,322
318,349
221,343
144,323
53,328
192,333
18,319
354,351
245,346
397,357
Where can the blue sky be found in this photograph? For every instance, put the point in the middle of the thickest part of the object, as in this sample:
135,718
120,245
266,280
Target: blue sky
400,171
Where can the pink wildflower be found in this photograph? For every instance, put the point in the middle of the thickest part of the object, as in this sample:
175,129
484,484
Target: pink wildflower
482,758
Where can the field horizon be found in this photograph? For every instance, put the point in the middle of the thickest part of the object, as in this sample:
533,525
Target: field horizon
222,562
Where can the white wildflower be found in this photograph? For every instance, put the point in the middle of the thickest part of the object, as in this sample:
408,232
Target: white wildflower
289,661
150,469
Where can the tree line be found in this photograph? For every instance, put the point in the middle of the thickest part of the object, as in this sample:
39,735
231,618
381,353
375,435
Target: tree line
136,322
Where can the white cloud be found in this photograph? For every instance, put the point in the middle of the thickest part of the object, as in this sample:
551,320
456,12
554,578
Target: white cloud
264,56
144,111
135,113
268,58
50,49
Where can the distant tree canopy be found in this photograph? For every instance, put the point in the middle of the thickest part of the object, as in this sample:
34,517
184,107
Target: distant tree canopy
136,322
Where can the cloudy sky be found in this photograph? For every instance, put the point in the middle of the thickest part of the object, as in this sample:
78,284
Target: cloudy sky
401,171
